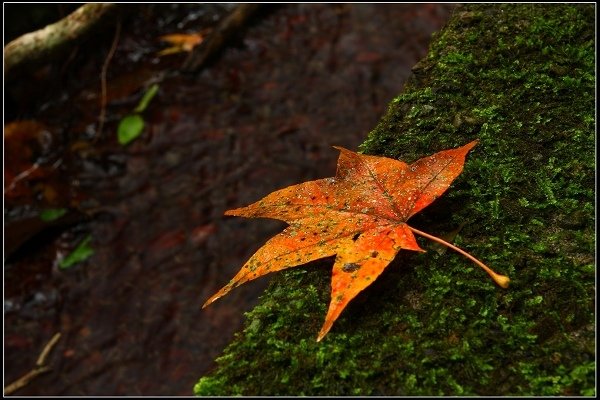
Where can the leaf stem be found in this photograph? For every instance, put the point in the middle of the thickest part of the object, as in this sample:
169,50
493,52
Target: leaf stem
501,280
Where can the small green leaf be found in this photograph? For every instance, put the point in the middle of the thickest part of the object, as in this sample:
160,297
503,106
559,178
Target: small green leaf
81,253
148,96
50,214
130,128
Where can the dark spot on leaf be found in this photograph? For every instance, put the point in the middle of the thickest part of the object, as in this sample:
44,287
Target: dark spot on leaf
356,236
374,254
350,267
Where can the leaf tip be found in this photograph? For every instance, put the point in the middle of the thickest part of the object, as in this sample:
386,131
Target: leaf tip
212,299
325,329
342,149
206,304
321,336
472,144
235,212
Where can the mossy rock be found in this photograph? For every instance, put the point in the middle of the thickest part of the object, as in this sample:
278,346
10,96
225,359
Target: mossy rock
520,78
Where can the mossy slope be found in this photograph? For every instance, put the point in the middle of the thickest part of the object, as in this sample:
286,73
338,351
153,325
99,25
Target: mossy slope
520,78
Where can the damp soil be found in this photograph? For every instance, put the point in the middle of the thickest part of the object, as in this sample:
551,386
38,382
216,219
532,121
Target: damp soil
298,80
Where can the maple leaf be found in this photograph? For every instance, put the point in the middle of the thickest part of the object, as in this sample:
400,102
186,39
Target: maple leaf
359,215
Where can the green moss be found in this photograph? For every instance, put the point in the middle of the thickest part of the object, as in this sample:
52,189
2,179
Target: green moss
520,78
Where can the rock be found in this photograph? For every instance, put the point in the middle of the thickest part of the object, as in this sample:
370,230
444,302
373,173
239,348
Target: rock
466,336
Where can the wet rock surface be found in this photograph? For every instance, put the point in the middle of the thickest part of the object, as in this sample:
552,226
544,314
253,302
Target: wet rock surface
265,115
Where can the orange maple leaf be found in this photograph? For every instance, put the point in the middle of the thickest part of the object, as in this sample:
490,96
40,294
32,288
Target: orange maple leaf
359,215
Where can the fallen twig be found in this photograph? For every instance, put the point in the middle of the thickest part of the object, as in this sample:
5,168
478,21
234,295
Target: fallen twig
103,89
42,45
39,368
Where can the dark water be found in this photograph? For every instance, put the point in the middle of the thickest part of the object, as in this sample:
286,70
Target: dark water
299,80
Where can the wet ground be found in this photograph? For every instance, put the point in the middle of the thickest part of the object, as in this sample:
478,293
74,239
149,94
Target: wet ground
299,80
